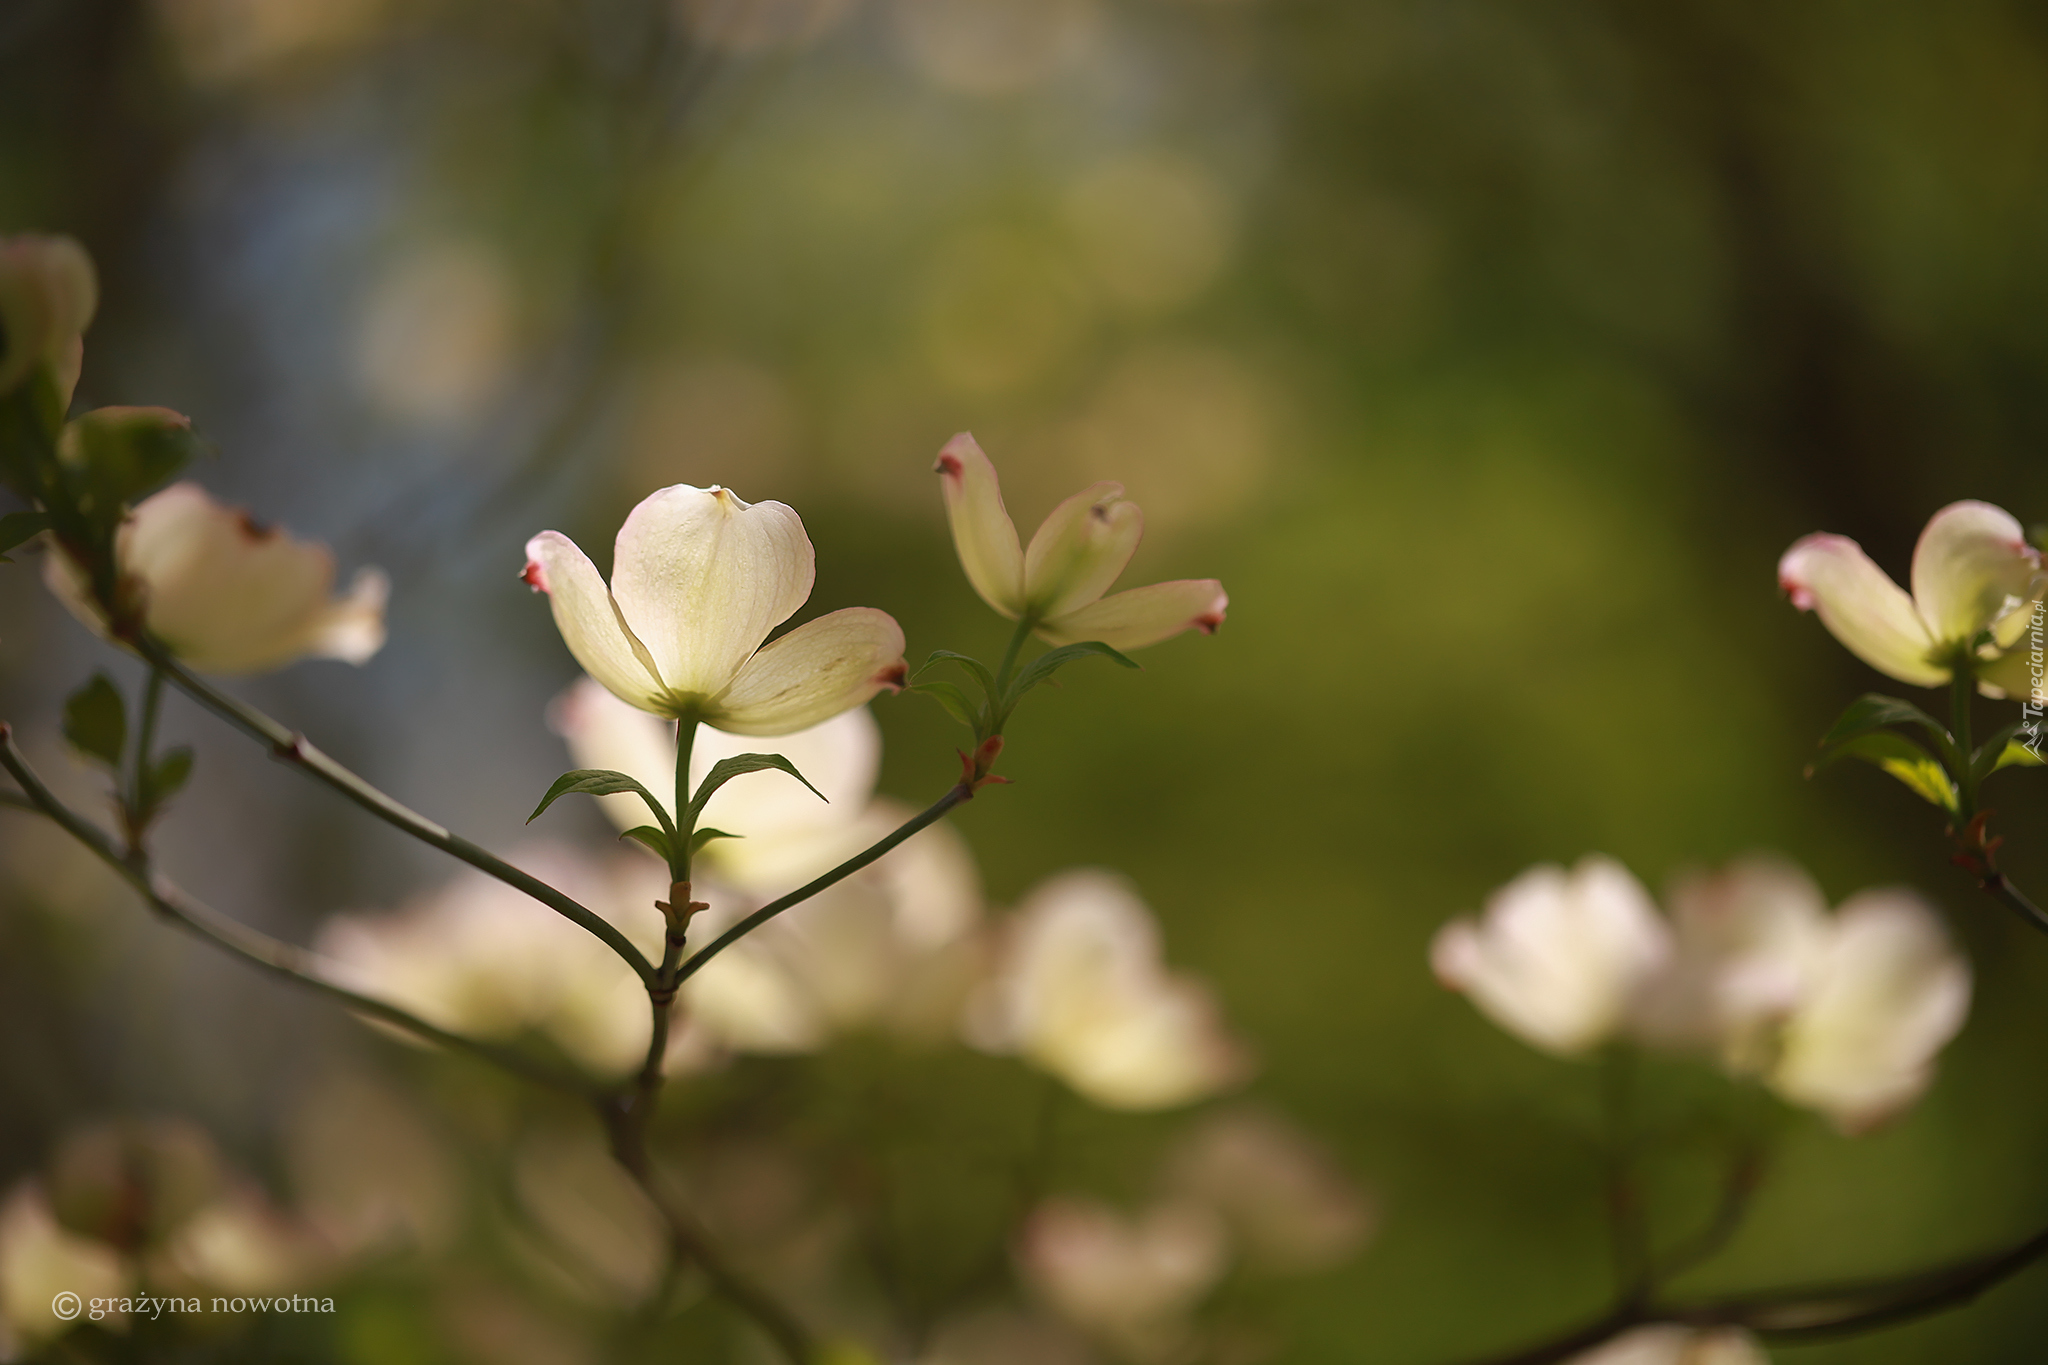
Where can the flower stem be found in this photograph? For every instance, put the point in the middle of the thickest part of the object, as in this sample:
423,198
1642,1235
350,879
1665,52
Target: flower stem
293,748
145,740
1025,625
931,814
251,945
1961,687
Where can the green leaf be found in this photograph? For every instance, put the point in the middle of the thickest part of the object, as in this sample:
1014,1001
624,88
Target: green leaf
115,455
599,782
17,527
2018,755
96,722
1903,759
972,665
1050,662
165,777
953,697
725,770
1875,711
654,838
705,836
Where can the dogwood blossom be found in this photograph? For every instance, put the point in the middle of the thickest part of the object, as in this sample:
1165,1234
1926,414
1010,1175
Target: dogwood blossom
1667,1343
699,578
1079,990
1058,582
1558,957
48,293
226,594
1128,1280
1973,571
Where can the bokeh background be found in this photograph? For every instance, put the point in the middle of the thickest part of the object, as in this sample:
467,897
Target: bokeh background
1490,353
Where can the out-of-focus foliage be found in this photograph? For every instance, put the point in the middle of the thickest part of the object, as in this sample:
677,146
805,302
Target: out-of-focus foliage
1489,353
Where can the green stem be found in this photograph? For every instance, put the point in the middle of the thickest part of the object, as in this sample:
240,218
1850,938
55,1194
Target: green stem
1963,685
1025,626
686,821
251,945
930,815
293,748
145,740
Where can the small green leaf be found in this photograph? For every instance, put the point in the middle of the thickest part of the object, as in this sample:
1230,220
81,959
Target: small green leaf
165,777
972,665
1875,711
951,696
725,770
2018,755
654,838
705,836
17,527
599,782
1050,662
96,722
1903,759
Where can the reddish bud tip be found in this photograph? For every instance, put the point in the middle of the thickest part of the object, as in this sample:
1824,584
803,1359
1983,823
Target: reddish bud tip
535,576
948,465
253,530
894,678
1208,621
1801,595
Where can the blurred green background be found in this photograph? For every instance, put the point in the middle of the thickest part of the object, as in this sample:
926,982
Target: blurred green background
1489,353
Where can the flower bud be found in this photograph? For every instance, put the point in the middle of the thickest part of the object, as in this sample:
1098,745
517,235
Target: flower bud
48,293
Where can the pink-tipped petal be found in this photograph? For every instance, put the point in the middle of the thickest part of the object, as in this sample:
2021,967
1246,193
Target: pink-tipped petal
1144,616
590,622
701,578
1971,567
983,534
821,668
1080,549
1871,615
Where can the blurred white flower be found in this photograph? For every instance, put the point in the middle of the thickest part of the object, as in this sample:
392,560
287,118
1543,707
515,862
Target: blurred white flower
436,339
369,1173
1670,1344
240,1243
226,594
1287,1205
40,1259
699,578
484,960
1077,553
1079,990
1972,571
1885,993
1558,957
48,294
1747,939
1130,1281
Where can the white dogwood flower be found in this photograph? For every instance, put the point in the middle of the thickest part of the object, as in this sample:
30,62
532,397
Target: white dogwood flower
225,593
1666,1343
1972,571
699,578
48,293
1128,1280
1558,957
1058,582
1079,991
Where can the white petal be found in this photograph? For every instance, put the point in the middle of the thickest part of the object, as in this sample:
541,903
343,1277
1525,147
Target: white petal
230,596
590,622
1745,946
983,534
701,578
1861,607
41,1259
1971,566
1888,993
1557,959
1080,549
605,732
1666,1343
48,293
821,668
1144,616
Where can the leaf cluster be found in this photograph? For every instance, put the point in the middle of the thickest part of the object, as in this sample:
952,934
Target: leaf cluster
1877,730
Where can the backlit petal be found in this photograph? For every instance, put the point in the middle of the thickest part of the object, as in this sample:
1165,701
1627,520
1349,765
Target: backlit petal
701,578
590,622
1861,607
813,673
1972,566
1144,616
983,534
1080,549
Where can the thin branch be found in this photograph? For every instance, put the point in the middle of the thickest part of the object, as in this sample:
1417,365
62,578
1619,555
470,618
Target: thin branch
273,955
961,791
1743,1177
295,749
1806,1314
2000,886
